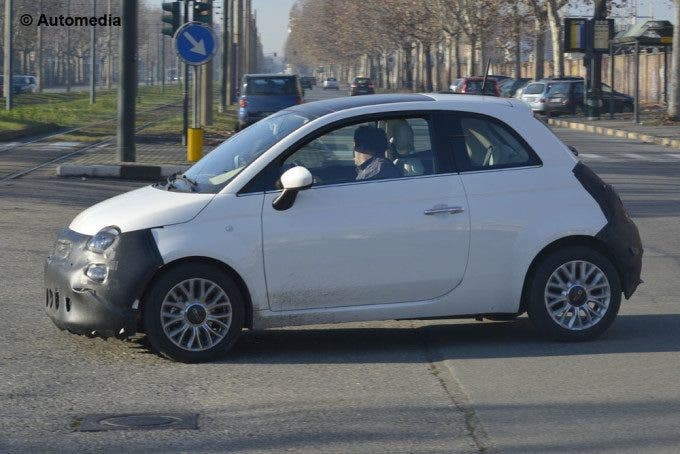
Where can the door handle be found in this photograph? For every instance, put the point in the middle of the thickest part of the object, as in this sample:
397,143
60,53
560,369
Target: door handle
444,209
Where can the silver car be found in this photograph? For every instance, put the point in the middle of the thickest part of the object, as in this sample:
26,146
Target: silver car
331,84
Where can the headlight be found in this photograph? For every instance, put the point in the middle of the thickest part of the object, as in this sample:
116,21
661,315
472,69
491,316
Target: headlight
103,239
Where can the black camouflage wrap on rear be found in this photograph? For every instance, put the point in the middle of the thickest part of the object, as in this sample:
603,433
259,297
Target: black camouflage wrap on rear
620,235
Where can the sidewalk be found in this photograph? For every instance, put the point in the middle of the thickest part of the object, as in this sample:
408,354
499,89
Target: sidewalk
651,129
155,159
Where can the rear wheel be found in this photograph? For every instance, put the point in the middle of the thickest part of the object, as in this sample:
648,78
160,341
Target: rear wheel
194,312
575,294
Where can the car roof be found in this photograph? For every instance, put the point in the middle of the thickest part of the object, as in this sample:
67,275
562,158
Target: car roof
317,109
270,75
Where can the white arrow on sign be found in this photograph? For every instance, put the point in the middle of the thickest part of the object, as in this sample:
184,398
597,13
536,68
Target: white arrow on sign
198,47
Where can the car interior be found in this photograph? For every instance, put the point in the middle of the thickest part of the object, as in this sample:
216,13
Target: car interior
489,145
330,158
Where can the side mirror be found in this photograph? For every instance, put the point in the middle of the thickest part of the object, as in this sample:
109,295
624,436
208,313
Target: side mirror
574,150
293,181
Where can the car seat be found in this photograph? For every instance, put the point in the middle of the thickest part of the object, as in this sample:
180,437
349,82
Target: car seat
402,149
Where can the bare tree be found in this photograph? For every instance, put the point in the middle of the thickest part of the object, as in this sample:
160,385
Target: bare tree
674,83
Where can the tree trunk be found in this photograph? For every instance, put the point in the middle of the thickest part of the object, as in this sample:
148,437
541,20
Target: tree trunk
556,38
408,66
429,80
539,48
448,68
481,64
472,56
517,31
456,56
418,86
674,82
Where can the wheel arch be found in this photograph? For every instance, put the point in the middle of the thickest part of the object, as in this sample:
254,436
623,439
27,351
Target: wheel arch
243,288
568,241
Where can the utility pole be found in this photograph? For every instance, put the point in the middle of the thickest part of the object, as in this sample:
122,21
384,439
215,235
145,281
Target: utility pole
7,84
68,49
238,41
247,49
109,55
225,73
39,56
162,62
595,77
128,81
206,72
185,87
231,67
93,55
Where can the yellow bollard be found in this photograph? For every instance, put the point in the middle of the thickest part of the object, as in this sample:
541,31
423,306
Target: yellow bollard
194,144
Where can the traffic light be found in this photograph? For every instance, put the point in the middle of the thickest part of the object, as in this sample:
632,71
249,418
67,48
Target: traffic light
172,19
203,12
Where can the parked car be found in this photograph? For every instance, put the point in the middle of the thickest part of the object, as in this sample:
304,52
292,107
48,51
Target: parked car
18,85
473,86
557,96
25,84
331,83
265,94
455,85
509,87
361,86
499,78
308,82
272,228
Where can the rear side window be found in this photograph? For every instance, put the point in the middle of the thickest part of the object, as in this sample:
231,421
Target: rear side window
557,89
475,86
489,144
270,86
534,89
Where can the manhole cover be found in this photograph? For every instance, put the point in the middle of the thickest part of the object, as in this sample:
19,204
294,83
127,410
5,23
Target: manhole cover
137,421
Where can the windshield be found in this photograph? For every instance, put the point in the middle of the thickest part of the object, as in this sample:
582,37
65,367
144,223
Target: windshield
270,86
220,166
534,89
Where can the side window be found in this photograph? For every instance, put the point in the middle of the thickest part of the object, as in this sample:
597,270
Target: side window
490,144
578,88
390,148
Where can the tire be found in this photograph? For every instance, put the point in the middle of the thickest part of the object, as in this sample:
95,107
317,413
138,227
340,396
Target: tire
166,303
586,299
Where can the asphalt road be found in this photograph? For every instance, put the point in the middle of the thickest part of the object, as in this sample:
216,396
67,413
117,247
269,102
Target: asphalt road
436,386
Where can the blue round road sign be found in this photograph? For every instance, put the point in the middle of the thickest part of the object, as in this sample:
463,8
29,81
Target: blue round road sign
195,43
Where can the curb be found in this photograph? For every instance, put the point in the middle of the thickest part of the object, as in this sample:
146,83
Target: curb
124,171
648,138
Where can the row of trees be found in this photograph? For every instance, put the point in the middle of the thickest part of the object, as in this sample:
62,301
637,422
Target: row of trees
338,33
59,55
414,37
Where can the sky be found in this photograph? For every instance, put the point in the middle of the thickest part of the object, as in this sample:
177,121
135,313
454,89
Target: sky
272,21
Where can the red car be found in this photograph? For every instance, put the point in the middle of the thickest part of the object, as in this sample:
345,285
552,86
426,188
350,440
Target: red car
473,86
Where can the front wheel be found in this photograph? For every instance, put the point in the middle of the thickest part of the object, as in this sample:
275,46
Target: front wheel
193,313
575,294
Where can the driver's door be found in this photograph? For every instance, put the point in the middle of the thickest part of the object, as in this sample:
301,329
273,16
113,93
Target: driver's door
350,243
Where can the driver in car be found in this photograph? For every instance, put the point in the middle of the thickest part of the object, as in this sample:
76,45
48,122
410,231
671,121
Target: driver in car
370,144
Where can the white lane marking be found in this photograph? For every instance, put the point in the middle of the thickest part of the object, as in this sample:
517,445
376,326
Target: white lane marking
639,156
674,155
590,156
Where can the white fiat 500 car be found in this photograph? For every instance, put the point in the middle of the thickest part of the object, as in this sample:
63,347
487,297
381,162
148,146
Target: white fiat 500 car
466,206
